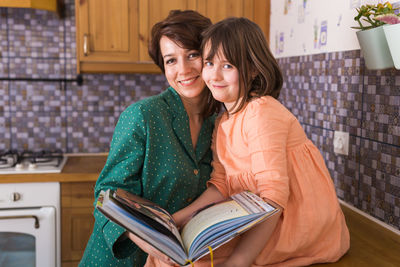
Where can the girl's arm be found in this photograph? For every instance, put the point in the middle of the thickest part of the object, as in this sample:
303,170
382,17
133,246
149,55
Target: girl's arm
253,242
211,195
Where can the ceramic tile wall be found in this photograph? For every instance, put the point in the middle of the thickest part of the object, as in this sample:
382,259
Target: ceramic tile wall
41,106
335,91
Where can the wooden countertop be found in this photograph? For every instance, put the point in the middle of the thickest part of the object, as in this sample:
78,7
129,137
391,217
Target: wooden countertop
371,244
77,169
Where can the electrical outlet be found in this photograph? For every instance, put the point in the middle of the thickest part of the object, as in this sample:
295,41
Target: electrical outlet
341,143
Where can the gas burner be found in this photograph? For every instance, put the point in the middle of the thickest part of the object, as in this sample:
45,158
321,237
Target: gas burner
28,161
8,158
43,157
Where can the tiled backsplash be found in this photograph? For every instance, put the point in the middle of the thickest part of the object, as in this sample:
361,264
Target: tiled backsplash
41,106
334,91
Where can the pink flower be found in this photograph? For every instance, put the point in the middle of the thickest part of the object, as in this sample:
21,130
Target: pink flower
388,18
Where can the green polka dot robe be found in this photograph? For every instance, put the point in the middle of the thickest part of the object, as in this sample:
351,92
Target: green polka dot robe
151,155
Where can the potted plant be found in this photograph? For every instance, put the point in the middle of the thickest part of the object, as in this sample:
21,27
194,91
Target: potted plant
392,34
372,37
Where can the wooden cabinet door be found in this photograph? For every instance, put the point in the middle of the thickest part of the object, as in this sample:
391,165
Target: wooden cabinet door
255,10
107,30
218,10
107,36
77,226
76,220
151,12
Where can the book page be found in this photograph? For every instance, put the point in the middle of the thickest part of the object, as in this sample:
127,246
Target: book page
252,203
210,216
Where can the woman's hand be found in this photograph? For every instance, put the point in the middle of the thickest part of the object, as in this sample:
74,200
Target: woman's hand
150,249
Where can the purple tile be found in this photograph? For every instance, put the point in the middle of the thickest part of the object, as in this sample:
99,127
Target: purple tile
381,107
4,97
35,33
35,130
37,68
5,131
343,169
324,91
90,132
4,70
380,181
3,34
135,87
99,93
70,39
36,96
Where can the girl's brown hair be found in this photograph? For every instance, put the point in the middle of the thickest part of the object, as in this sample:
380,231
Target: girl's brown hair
184,28
244,45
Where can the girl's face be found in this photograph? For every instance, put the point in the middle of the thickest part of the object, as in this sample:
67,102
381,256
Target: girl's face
182,69
222,78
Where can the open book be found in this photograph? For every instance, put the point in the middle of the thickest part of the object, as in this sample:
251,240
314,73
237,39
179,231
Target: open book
212,226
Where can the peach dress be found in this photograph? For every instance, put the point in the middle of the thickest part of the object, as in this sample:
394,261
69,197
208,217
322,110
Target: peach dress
264,149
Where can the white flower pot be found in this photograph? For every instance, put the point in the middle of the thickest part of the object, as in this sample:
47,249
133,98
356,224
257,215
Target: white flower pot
392,33
375,49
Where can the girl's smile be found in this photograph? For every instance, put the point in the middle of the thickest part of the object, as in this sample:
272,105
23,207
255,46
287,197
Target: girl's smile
222,78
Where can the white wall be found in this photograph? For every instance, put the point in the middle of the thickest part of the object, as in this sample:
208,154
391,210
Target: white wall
304,27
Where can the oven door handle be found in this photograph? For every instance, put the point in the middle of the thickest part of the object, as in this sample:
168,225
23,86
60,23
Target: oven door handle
22,217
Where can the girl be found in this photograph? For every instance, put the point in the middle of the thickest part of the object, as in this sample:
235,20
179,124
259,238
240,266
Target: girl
258,145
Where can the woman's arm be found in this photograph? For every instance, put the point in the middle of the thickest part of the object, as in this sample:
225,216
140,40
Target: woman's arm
211,195
253,242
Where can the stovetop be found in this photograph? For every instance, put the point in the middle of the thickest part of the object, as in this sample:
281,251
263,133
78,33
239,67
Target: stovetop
27,161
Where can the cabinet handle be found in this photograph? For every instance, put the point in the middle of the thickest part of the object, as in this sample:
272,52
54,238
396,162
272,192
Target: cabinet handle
22,217
86,44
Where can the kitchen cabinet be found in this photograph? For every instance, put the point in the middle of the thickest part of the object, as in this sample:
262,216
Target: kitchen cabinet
107,37
76,220
112,36
255,10
51,5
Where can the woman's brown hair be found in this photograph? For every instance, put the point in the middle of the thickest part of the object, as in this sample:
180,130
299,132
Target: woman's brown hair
244,45
184,28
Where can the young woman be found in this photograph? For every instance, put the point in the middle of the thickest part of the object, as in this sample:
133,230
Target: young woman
258,145
161,145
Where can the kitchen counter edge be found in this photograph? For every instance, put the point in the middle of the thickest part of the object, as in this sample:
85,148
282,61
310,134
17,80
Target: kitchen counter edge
77,169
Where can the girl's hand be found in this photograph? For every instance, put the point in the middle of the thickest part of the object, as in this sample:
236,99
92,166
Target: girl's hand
150,249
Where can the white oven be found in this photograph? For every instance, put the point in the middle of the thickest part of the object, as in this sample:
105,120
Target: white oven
30,225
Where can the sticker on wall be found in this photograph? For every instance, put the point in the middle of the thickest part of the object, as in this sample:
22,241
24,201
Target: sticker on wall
281,42
323,37
288,4
339,20
315,34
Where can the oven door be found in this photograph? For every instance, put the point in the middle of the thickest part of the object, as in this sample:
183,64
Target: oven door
28,237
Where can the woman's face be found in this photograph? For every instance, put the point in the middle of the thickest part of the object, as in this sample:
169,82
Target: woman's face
182,69
222,78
